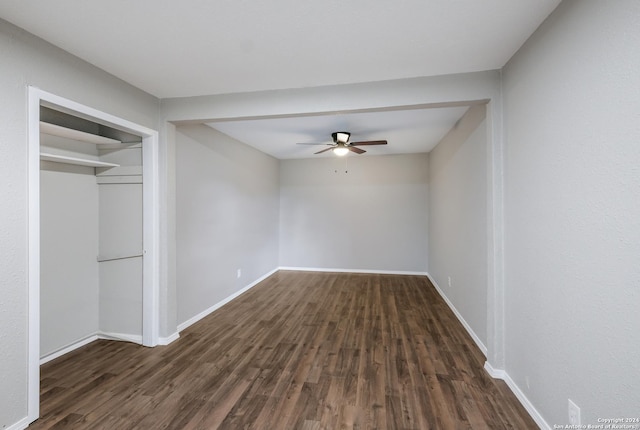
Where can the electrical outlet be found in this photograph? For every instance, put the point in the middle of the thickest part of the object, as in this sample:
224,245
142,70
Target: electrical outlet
239,273
449,281
526,380
574,413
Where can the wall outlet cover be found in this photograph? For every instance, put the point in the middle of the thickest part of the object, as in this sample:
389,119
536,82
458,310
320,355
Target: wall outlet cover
574,413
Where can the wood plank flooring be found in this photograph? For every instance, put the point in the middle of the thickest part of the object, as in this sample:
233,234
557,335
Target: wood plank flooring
301,350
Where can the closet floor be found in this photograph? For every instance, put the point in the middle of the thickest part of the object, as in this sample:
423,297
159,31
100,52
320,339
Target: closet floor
301,350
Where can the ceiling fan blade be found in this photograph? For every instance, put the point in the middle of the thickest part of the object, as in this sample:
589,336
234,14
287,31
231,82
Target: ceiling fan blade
369,142
324,150
356,150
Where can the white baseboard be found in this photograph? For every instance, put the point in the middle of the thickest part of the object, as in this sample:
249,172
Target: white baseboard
467,327
375,272
167,340
223,302
20,425
87,340
67,349
133,338
138,338
494,373
524,401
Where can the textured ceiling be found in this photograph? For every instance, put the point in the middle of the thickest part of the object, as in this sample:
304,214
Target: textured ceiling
187,48
183,48
407,131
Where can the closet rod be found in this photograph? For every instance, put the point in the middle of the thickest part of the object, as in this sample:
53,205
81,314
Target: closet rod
102,259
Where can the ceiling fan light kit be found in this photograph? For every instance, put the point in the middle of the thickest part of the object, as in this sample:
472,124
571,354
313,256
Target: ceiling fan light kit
341,145
341,150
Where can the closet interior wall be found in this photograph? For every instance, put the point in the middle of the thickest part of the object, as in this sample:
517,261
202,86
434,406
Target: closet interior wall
91,239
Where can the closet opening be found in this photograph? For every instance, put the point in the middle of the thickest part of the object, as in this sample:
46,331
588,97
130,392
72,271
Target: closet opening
94,266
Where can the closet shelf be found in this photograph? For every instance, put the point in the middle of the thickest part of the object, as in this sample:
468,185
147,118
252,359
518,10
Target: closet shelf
69,133
45,156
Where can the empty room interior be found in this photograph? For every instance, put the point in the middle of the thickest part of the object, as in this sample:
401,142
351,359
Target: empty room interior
330,215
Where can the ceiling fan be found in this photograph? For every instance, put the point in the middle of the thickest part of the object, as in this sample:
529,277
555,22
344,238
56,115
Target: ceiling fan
341,145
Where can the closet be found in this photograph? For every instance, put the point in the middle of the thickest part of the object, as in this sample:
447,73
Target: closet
91,233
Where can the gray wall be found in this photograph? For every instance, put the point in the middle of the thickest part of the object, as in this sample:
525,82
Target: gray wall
458,218
572,236
572,212
27,60
120,249
227,217
68,248
83,217
373,217
120,244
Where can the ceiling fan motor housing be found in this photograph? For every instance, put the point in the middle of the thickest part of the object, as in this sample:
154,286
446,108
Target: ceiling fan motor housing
340,137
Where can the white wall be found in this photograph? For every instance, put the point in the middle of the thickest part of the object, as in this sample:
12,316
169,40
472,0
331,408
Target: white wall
68,248
572,104
27,60
227,217
458,219
373,217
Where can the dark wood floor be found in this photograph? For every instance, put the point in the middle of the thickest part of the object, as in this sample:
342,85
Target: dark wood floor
298,351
